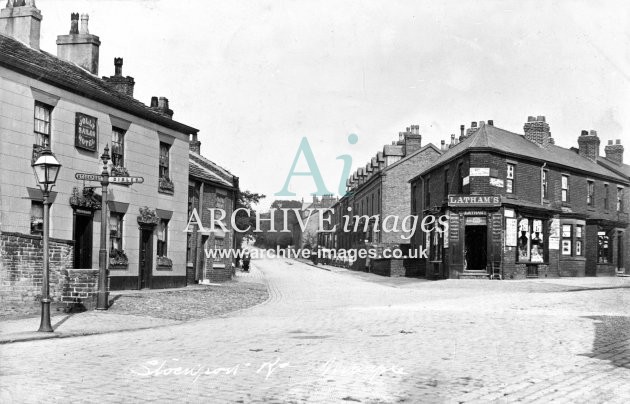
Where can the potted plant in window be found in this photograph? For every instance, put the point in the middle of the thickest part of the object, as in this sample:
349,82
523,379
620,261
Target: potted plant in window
164,263
118,259
148,216
119,171
166,185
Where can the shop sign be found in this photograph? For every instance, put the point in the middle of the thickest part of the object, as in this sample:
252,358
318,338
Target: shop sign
466,180
474,200
479,172
475,221
510,232
508,212
496,182
474,213
554,234
85,132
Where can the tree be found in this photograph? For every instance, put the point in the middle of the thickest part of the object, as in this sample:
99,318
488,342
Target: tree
246,200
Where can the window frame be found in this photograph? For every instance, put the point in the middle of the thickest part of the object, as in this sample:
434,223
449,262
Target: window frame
38,231
545,183
620,192
164,161
121,145
566,238
606,196
590,193
564,193
119,230
541,241
162,245
510,178
42,137
603,258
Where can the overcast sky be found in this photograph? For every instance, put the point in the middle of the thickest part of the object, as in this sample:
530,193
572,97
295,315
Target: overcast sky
257,76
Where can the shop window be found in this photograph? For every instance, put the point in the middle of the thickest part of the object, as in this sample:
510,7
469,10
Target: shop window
162,238
606,196
545,184
603,247
579,231
37,217
115,231
590,193
509,183
565,188
567,239
619,199
531,246
42,123
118,149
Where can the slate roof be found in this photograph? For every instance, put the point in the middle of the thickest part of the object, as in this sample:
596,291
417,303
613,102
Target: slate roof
43,66
206,170
622,168
489,137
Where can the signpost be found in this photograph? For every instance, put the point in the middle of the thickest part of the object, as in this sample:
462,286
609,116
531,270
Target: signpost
104,178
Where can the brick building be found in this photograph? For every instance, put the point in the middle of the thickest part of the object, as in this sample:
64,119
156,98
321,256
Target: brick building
61,101
309,212
375,191
519,206
210,187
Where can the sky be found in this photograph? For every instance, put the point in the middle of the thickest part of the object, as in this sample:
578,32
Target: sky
255,77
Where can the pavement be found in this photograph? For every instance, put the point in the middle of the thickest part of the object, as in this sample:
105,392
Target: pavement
343,336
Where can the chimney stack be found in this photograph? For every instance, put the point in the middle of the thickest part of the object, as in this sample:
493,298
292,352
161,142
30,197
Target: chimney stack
412,140
473,128
21,20
537,130
462,136
160,105
195,144
589,145
123,84
490,122
614,152
79,46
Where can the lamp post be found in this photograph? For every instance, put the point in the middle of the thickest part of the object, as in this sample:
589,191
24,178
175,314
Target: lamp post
46,169
102,302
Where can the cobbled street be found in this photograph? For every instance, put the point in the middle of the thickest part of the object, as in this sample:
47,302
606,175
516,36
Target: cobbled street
336,336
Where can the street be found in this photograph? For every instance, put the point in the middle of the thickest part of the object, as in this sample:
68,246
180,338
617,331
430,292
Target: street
336,336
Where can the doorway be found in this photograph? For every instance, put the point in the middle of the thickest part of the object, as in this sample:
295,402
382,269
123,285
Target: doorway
82,240
620,267
145,266
476,247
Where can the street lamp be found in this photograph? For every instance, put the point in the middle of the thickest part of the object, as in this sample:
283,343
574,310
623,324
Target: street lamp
46,169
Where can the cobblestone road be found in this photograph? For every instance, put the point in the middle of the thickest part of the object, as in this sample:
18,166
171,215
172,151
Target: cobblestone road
334,337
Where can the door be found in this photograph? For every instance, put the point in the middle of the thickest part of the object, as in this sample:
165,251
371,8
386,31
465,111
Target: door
146,258
476,247
620,266
82,241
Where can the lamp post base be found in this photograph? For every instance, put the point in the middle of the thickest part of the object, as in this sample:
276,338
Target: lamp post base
102,298
44,325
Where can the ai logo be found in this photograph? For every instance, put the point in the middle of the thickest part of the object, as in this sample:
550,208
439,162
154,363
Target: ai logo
305,149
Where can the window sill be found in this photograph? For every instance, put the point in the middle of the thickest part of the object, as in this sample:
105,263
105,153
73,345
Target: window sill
511,196
163,267
572,258
118,267
166,191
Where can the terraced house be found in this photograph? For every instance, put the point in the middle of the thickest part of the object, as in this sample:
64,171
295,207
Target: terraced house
520,206
60,100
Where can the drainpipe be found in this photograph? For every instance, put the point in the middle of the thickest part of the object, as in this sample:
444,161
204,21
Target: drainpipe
542,189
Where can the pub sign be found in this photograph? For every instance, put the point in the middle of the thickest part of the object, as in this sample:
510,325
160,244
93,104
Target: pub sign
85,132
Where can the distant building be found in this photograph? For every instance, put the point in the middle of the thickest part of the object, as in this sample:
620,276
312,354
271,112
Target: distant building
210,187
61,101
310,215
519,206
376,191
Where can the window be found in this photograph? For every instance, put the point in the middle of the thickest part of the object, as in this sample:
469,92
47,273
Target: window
590,193
619,199
567,237
460,182
115,231
606,196
118,147
42,123
603,250
579,231
531,241
545,186
220,201
414,204
218,243
565,188
446,184
37,217
162,238
509,183
427,194
164,160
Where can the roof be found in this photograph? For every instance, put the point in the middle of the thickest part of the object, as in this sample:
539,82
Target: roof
206,170
611,165
489,137
52,70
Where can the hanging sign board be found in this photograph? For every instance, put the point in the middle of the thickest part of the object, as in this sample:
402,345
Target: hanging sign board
85,132
479,172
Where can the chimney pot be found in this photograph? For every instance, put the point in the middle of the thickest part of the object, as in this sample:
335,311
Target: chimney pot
154,102
85,18
593,132
610,142
118,64
531,119
74,23
618,141
584,133
473,124
490,122
540,118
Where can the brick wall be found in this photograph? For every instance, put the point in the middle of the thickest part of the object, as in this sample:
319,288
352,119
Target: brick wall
21,271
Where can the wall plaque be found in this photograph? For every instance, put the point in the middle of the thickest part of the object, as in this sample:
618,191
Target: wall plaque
85,132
